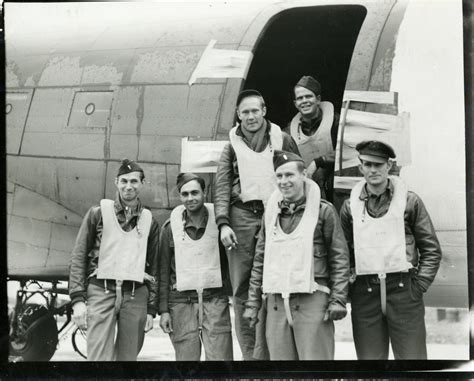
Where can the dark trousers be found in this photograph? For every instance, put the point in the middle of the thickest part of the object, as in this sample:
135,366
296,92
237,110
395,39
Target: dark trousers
403,325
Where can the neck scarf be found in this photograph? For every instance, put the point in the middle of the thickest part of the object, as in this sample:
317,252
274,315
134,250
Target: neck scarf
256,140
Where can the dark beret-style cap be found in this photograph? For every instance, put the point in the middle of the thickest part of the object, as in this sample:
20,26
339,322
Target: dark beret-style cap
247,93
375,151
184,178
283,157
310,83
127,166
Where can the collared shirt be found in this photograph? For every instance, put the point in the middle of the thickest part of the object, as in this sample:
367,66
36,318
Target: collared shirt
85,254
331,255
168,266
377,205
423,249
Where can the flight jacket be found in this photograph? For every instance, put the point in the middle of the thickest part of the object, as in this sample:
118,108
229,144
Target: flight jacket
227,183
331,255
85,254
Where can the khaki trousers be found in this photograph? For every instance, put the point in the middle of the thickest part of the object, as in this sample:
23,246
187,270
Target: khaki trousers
310,338
246,225
216,330
102,319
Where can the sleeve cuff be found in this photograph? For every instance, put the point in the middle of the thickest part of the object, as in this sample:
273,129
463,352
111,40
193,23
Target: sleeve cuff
222,221
77,297
151,311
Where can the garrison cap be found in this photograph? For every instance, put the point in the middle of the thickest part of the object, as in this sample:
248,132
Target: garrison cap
127,166
375,151
310,83
184,178
247,93
283,157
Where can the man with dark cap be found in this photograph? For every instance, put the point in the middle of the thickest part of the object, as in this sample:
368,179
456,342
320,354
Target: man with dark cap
113,269
314,129
244,181
395,255
194,285
301,265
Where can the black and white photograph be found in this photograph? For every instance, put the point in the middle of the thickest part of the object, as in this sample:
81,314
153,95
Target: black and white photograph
236,181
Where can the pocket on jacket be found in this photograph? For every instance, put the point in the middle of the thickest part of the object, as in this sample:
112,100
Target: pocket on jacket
320,262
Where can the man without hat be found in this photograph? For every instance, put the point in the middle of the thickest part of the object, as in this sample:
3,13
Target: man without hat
113,269
194,285
244,181
395,256
314,129
302,266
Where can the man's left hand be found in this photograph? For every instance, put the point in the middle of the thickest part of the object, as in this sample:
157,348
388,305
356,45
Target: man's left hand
149,323
335,312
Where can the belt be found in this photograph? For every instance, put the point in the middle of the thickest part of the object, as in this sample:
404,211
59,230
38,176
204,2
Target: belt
255,206
374,279
127,285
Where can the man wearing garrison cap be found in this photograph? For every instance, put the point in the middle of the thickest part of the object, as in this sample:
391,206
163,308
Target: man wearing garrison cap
314,129
194,285
301,265
395,256
113,271
244,180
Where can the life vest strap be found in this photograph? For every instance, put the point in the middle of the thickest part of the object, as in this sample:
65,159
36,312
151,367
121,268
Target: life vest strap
286,303
383,293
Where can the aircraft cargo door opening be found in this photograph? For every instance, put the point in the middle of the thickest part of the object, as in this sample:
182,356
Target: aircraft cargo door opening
316,41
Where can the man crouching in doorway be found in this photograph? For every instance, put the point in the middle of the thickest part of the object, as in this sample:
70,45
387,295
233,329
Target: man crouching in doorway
194,302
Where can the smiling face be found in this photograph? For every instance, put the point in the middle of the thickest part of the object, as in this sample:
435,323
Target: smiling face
251,113
376,174
290,180
129,186
306,102
192,196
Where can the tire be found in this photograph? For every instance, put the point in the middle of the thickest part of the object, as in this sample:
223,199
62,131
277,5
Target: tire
40,335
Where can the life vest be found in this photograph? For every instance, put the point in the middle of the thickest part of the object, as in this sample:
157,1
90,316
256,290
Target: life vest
288,265
122,254
379,243
257,176
197,261
318,144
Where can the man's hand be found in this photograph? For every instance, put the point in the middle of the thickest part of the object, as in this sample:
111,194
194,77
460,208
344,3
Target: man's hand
228,237
335,312
310,170
251,314
79,315
149,323
165,322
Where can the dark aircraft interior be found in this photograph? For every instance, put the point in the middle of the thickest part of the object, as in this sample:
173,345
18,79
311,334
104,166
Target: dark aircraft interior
316,41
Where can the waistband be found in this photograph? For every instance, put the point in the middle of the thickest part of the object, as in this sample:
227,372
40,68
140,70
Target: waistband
255,206
127,285
374,278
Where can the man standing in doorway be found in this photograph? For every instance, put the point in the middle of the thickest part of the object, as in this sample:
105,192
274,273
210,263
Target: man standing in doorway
302,266
395,256
113,269
194,301
244,181
314,129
